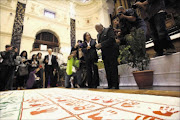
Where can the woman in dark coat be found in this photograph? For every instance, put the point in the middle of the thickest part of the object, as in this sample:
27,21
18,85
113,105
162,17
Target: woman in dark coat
91,57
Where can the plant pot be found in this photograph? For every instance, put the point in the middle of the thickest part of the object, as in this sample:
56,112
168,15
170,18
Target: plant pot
144,79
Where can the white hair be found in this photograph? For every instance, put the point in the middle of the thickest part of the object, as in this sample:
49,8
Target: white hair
49,49
120,7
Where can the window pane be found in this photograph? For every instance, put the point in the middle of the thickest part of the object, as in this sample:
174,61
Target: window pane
49,14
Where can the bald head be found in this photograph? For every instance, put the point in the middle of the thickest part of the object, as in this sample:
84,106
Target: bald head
99,28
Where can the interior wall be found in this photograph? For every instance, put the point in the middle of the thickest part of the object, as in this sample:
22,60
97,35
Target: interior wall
86,15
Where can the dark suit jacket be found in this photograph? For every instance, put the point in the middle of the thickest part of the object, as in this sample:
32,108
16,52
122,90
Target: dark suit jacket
90,54
53,60
108,43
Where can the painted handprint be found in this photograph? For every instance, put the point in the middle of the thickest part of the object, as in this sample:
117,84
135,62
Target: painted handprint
165,111
52,109
129,104
144,118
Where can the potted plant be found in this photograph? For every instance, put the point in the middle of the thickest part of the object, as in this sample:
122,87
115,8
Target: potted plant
137,58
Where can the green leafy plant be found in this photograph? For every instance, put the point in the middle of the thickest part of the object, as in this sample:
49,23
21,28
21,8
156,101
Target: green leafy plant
134,53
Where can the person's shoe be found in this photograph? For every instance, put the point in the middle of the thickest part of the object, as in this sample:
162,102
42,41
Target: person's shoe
77,86
169,51
158,54
115,88
22,88
107,88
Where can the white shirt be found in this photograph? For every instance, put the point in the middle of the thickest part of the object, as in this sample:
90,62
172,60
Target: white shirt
49,62
88,43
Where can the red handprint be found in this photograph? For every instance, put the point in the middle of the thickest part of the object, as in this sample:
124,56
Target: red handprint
165,111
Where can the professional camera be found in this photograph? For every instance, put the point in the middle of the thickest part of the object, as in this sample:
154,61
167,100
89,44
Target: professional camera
80,43
119,14
134,6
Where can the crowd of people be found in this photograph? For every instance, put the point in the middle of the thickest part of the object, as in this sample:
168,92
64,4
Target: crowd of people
28,72
82,69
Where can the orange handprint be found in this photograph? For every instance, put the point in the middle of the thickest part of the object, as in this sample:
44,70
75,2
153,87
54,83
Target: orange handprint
80,108
129,104
165,111
43,111
95,116
83,107
108,101
144,118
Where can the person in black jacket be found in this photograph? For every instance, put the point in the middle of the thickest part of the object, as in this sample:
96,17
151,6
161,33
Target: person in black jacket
107,44
50,67
7,68
91,57
155,10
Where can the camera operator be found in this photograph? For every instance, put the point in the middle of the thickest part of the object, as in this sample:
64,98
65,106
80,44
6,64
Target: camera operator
155,10
130,18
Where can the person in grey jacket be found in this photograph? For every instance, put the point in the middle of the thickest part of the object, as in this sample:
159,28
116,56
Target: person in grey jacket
21,79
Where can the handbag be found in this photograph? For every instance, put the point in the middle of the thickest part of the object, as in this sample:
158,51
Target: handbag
22,71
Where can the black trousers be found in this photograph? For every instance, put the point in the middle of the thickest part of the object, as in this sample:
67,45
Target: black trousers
92,74
110,64
21,80
49,74
5,75
159,33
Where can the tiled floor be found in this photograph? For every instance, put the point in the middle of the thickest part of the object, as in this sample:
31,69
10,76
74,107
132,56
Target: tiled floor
73,104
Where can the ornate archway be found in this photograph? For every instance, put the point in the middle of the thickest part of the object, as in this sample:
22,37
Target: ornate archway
45,37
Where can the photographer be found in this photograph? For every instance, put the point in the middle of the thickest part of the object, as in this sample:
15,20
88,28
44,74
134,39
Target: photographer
129,19
155,10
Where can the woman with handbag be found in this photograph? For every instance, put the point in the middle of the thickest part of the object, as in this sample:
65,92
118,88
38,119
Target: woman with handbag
23,72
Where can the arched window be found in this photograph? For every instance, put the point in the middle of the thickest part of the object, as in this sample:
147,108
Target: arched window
45,38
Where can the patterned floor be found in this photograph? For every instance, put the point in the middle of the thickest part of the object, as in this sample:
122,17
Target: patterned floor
73,104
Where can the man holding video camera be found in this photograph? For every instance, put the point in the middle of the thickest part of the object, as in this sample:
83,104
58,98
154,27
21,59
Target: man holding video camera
155,10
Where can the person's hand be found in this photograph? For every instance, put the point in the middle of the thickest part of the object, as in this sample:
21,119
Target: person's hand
16,50
76,45
141,4
80,49
117,30
69,57
119,33
122,16
46,61
98,46
88,47
118,41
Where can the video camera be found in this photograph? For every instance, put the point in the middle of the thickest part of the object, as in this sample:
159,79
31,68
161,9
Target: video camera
134,6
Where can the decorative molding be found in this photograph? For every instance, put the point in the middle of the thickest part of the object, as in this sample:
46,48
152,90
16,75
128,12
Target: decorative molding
10,9
8,34
5,34
27,37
